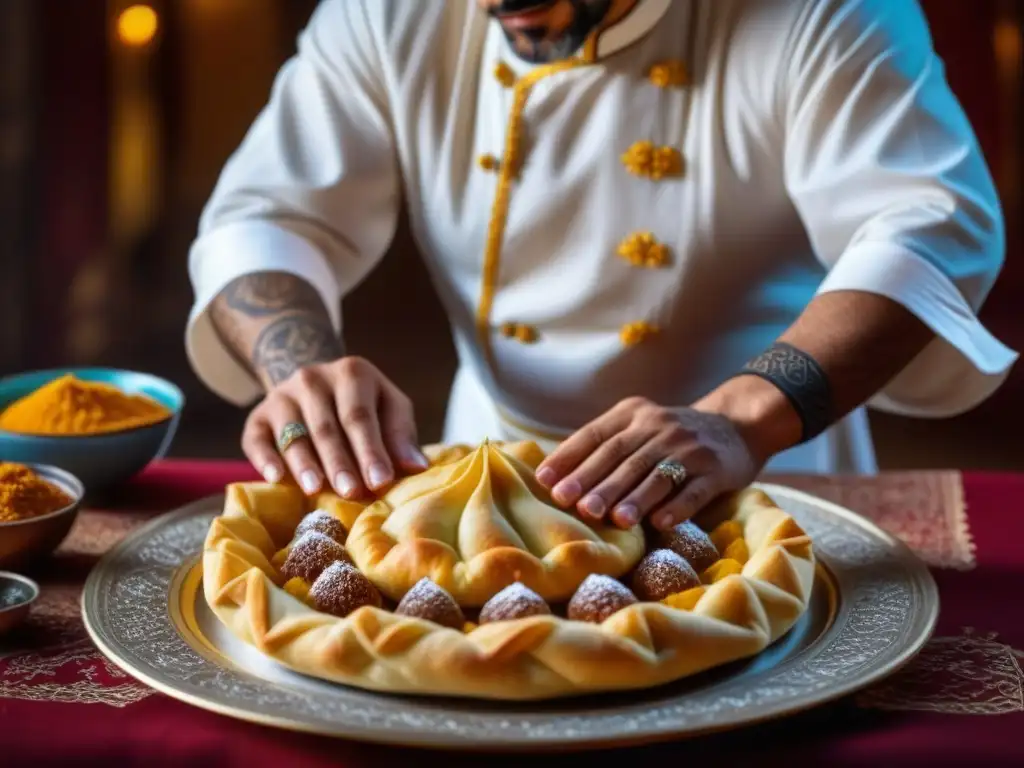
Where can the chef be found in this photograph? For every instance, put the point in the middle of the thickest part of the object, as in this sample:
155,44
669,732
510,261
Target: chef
678,241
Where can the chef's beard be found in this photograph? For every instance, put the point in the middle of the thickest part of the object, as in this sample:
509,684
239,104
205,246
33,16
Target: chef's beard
543,44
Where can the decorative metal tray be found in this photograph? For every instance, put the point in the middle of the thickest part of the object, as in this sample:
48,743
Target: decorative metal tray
874,606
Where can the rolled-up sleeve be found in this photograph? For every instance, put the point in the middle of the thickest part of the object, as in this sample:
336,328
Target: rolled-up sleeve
890,182
313,189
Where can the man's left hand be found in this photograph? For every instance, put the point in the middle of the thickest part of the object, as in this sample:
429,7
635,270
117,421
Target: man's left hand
608,469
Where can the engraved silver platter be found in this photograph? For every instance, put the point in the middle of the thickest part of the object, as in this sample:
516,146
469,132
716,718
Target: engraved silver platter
874,606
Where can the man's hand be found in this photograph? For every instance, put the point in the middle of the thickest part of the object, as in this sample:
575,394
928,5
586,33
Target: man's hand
607,469
361,428
725,439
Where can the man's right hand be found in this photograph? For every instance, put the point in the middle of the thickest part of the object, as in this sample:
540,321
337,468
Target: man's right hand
362,432
361,427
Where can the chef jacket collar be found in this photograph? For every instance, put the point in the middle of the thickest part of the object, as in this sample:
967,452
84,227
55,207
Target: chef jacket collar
601,44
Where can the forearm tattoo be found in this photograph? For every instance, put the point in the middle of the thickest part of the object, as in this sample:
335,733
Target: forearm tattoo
293,342
269,293
799,377
276,323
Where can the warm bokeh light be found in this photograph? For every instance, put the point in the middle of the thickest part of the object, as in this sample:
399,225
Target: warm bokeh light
137,25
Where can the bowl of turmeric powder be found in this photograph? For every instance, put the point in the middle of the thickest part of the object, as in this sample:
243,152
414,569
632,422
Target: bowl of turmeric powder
38,506
101,425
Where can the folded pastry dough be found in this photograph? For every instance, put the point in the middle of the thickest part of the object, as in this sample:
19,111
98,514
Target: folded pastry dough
478,512
477,522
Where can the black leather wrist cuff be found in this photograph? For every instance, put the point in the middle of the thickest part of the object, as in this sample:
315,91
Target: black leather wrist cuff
799,377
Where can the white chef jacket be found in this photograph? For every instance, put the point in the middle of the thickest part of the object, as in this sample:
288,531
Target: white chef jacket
640,220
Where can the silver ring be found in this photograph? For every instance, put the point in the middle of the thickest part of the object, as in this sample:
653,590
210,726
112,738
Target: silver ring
672,470
291,432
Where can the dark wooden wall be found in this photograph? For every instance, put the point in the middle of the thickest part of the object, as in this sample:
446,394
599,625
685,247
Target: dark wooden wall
978,41
54,112
17,158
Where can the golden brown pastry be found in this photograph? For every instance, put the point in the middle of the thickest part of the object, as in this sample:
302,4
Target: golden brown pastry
521,650
479,523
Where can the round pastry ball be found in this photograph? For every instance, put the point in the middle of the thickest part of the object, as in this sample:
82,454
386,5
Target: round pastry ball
426,600
322,522
516,601
662,573
690,543
598,598
341,589
311,555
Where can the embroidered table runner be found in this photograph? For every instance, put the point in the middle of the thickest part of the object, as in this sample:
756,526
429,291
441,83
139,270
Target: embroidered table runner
51,672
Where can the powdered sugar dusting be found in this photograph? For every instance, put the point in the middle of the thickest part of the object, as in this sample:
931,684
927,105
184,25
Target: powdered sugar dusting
427,600
665,557
662,573
516,601
341,589
322,522
598,598
311,555
692,544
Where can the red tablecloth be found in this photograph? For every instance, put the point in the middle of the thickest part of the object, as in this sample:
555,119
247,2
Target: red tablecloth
962,701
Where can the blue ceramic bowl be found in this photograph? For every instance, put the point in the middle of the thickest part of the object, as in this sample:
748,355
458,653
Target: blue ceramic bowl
99,461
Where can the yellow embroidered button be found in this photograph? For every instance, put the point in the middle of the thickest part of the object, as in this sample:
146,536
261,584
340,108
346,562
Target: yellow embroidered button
503,74
488,162
646,160
669,74
642,250
524,334
635,333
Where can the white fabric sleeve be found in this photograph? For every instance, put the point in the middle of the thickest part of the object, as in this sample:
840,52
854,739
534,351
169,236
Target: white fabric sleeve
890,182
313,190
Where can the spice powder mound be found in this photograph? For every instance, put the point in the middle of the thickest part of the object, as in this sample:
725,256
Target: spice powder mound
70,406
24,495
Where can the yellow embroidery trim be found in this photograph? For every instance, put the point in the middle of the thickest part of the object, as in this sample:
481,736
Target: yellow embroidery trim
590,47
655,163
488,162
504,74
669,74
635,333
499,211
525,334
642,250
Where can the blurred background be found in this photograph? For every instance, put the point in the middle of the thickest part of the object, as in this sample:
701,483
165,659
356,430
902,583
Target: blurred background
115,120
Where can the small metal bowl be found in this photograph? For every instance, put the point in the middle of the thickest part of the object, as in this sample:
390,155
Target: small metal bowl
16,597
22,542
